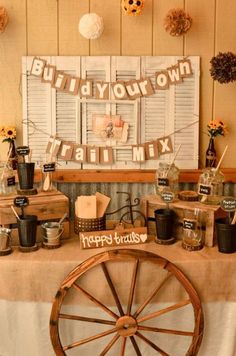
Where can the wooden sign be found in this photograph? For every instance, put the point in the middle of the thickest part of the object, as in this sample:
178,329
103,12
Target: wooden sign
21,201
98,239
23,150
167,196
49,167
228,204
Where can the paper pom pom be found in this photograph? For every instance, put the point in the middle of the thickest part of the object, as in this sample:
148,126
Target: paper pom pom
3,19
132,7
91,26
177,22
223,67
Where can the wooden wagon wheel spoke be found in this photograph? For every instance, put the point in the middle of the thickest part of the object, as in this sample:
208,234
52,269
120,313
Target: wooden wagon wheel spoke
123,345
89,339
135,346
163,311
109,346
154,346
132,287
85,318
151,296
94,300
165,331
113,290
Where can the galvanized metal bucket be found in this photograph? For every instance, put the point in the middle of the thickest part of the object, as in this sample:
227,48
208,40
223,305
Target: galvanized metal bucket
52,232
5,235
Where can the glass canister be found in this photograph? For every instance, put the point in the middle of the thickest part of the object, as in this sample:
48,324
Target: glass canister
193,234
167,178
7,180
210,186
48,170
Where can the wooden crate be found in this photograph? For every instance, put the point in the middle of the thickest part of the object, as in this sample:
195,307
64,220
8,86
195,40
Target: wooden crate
150,203
48,206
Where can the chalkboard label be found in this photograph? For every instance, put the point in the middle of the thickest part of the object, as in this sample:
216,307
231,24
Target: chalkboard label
168,197
228,204
49,167
189,224
23,150
204,189
21,201
163,182
11,181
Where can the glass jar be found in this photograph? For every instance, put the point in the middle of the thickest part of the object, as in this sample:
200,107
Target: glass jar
167,178
193,234
7,180
210,186
48,170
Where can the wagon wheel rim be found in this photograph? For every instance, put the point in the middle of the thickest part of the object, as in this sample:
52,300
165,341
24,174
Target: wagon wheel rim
126,324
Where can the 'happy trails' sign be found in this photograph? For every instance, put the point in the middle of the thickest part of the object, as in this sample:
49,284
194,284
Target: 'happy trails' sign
106,238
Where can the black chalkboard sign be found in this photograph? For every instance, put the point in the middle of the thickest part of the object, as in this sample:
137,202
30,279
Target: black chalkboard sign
49,167
189,224
21,201
167,196
163,182
22,150
11,181
228,204
204,189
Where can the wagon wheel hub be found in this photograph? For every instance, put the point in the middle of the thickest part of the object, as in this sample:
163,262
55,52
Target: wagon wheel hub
127,326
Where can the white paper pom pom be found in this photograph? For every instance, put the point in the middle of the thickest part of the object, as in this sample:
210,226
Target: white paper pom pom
91,26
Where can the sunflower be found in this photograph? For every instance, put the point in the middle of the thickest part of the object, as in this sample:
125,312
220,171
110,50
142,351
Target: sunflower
8,132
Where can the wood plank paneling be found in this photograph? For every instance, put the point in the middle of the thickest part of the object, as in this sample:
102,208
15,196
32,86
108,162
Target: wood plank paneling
136,32
71,42
224,103
200,41
163,43
42,28
50,27
109,42
12,47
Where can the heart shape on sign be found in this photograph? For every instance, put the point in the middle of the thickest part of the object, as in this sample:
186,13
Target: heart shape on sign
143,237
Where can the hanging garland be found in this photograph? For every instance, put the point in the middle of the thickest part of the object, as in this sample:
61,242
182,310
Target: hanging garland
177,22
3,19
223,67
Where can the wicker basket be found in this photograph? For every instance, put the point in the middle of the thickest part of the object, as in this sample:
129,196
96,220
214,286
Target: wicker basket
96,224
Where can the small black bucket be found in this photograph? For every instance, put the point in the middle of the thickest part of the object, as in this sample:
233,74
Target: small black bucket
226,236
164,223
27,229
26,175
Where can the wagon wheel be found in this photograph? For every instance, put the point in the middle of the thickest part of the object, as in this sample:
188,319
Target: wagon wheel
127,324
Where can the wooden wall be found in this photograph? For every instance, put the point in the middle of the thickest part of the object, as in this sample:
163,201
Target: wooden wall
50,27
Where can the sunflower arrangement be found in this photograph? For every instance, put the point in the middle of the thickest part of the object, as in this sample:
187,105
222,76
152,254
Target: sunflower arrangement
216,128
8,133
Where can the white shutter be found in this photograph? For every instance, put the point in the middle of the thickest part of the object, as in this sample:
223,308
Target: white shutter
170,110
37,111
125,69
149,118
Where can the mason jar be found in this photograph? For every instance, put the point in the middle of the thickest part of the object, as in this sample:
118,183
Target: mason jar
7,180
193,234
167,178
210,186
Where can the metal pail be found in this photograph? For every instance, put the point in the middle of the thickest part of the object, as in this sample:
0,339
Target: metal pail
52,232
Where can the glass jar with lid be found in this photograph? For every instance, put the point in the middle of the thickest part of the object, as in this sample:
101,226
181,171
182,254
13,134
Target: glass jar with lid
7,180
210,186
193,234
167,178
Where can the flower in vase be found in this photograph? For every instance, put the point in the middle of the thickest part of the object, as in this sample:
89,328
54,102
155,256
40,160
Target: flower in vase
8,133
216,128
